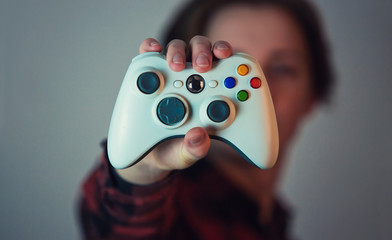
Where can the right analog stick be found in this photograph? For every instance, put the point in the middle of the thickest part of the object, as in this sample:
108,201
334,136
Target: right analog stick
218,111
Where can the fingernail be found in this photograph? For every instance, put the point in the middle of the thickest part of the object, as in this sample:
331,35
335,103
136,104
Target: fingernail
177,59
202,61
153,43
196,140
221,46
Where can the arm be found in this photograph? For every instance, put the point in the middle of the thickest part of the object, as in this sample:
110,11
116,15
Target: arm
111,208
179,153
138,202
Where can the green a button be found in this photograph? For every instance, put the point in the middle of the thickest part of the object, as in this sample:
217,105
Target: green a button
242,95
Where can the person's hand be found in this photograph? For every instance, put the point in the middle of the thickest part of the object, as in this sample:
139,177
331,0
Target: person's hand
182,152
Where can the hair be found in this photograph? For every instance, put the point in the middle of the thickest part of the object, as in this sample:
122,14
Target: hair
194,18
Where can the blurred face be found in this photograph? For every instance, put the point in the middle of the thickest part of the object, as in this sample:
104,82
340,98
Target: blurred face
271,36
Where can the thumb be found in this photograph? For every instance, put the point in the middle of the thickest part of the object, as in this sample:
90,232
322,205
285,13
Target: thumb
194,147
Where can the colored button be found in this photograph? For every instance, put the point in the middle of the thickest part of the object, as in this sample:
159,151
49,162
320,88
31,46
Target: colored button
218,111
171,111
148,82
195,83
230,82
242,70
255,82
213,84
178,83
242,95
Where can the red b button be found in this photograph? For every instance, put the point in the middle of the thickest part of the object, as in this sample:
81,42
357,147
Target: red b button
255,82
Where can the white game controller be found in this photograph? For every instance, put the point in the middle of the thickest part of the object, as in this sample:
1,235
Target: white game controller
231,101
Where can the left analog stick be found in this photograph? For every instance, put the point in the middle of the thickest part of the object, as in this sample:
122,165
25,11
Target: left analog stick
148,82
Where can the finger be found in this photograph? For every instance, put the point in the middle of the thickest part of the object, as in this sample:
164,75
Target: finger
222,49
201,53
176,55
150,45
182,153
195,146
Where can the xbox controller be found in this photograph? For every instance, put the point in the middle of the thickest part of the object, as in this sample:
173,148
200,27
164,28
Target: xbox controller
231,101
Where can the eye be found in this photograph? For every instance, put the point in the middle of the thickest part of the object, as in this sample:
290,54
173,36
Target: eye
282,70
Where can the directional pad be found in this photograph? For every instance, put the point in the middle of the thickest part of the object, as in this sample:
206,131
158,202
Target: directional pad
171,111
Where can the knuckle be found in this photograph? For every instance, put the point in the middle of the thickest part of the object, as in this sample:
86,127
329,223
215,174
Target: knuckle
200,41
148,44
176,43
147,40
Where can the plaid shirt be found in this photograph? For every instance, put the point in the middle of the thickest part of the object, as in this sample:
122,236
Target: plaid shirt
196,203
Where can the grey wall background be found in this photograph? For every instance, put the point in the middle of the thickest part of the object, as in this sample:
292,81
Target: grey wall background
62,63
